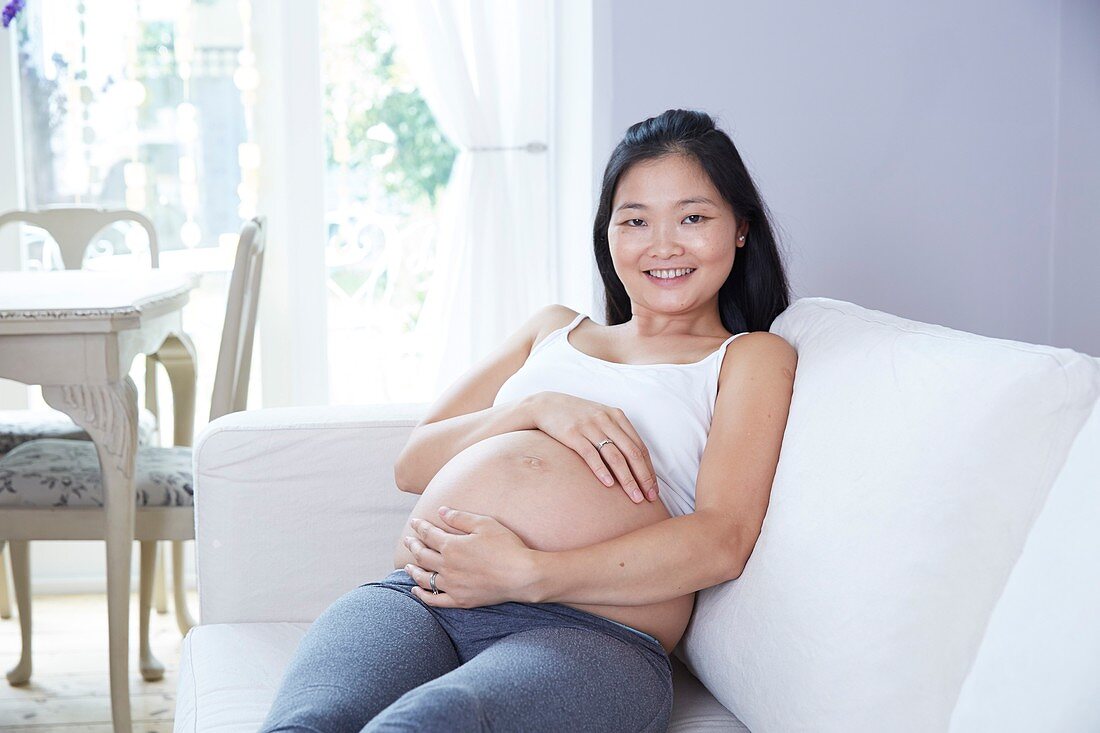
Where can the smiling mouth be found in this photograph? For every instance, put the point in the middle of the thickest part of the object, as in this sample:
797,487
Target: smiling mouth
669,280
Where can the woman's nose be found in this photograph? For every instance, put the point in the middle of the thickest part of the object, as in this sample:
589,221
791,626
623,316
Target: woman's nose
666,244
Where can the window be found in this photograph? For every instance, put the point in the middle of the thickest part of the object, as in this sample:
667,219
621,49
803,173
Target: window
386,164
144,106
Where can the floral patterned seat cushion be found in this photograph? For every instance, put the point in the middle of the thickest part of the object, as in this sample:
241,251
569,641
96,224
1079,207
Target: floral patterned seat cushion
65,473
19,426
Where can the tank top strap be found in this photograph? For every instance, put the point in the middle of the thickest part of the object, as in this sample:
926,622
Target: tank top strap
727,342
720,354
575,322
558,333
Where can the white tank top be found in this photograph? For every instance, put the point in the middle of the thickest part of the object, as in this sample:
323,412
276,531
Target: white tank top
669,405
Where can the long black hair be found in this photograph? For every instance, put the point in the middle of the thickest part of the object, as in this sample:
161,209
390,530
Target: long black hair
756,290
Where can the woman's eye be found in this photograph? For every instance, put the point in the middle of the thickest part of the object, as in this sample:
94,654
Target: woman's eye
698,218
631,222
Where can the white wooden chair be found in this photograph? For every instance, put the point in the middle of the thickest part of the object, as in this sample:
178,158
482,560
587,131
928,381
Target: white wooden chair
74,228
5,599
54,486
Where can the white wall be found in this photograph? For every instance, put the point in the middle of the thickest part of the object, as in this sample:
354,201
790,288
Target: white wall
909,151
81,567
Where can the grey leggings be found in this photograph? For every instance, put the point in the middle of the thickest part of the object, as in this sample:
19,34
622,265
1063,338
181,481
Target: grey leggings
378,659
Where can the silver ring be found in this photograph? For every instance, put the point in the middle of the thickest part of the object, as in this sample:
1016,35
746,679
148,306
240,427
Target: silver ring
604,442
431,581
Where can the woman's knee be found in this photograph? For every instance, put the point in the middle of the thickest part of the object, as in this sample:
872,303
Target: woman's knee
368,648
438,705
596,681
542,679
318,708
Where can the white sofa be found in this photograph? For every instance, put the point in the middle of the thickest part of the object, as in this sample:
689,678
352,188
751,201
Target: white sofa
941,601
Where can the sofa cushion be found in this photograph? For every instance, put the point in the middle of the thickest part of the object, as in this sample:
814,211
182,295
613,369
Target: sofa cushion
914,463
229,674
264,554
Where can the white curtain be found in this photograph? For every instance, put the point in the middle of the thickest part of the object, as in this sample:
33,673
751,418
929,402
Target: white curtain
483,67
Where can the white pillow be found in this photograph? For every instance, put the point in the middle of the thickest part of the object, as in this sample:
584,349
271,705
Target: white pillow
914,462
1038,667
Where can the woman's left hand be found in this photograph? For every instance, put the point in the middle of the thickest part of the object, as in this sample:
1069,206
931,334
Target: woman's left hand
480,561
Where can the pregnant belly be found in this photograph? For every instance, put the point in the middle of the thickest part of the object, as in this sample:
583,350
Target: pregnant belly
548,496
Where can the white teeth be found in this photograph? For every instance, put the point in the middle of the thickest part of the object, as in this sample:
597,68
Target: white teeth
665,274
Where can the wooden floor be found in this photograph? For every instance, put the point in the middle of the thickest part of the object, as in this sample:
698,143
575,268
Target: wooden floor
69,688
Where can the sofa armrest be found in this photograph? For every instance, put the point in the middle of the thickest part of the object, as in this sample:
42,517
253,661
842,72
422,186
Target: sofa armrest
296,506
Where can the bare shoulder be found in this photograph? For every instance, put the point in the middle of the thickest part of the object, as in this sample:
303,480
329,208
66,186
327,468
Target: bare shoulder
477,389
758,352
550,318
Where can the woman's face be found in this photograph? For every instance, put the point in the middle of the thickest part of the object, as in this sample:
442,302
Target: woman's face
666,214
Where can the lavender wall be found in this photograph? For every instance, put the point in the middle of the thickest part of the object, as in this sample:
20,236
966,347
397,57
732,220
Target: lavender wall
935,160
1075,284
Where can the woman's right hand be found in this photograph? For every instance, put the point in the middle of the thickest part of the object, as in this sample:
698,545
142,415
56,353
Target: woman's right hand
581,424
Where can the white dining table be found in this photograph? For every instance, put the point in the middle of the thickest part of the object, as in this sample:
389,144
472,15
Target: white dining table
77,333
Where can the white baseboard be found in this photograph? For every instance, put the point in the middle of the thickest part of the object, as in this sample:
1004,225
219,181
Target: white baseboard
78,585
59,568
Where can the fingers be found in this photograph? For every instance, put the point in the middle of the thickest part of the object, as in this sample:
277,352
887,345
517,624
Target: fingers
447,528
647,476
425,556
423,588
626,458
442,600
423,578
432,534
586,449
628,462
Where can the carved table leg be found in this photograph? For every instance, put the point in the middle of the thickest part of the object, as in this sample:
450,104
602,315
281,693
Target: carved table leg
109,413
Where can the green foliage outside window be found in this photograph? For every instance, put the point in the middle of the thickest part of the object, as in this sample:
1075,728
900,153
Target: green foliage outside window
420,163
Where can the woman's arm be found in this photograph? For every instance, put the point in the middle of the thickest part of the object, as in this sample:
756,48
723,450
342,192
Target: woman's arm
465,413
487,563
711,545
431,445
656,563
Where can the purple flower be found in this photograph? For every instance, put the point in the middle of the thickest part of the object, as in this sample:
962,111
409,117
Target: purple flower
11,10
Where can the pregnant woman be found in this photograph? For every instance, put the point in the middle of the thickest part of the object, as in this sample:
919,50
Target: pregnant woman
580,484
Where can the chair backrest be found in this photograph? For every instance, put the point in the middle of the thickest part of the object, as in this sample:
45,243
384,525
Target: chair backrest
235,353
73,227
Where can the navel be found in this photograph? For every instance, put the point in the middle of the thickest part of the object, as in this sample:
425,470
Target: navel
533,462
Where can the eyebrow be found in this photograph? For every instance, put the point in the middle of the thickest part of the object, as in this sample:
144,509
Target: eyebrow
682,202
